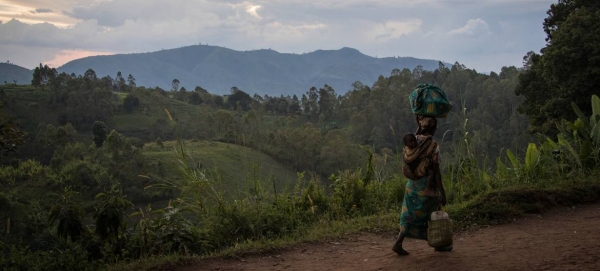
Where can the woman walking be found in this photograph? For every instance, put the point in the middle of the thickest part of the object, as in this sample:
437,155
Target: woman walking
416,206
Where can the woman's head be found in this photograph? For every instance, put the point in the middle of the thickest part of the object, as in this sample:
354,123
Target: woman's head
427,125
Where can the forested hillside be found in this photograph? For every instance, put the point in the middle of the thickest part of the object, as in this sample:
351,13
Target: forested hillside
328,127
217,69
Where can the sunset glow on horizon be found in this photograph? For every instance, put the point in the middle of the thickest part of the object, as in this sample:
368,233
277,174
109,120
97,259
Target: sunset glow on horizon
65,56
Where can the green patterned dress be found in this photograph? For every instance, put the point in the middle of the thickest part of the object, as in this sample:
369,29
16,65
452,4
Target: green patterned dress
416,209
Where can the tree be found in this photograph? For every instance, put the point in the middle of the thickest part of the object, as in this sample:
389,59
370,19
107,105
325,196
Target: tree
99,132
182,94
109,213
327,101
417,72
120,81
131,103
195,98
11,135
312,105
225,121
305,104
106,82
90,75
117,143
42,75
282,106
69,215
239,98
294,107
175,85
131,81
200,90
219,101
568,68
64,135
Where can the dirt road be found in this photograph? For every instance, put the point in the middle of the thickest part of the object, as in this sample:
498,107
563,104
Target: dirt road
566,238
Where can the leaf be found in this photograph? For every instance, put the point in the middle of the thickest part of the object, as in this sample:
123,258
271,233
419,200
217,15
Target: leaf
552,143
513,160
595,118
501,171
579,113
561,126
580,127
595,105
595,135
134,214
567,145
585,150
531,158
570,125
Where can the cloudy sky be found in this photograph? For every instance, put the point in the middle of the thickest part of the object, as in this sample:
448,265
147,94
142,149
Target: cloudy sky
482,34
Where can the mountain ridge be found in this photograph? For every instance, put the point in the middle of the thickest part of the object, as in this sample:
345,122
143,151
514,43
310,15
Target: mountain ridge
12,73
263,71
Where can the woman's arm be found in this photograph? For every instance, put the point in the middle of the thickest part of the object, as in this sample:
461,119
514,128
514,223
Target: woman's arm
438,177
440,183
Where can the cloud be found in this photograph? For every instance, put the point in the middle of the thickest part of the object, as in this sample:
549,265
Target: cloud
38,11
252,11
117,13
395,29
43,10
15,32
473,28
114,14
277,32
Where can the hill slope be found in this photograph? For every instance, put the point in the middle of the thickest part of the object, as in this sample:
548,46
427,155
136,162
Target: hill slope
261,71
236,166
11,73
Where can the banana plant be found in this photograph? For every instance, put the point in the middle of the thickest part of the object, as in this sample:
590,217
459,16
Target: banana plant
595,122
581,138
509,171
529,169
69,215
532,160
110,212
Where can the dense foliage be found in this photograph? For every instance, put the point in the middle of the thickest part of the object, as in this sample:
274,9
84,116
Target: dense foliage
567,70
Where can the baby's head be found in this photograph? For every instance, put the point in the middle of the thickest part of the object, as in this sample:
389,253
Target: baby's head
410,141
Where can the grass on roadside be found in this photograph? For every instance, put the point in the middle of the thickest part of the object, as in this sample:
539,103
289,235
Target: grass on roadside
491,208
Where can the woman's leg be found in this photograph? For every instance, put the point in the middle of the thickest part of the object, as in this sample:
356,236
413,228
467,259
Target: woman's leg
398,245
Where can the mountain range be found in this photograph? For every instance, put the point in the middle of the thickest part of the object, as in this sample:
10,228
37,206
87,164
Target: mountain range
265,71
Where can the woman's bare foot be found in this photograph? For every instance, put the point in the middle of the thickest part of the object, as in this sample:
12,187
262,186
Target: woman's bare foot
400,251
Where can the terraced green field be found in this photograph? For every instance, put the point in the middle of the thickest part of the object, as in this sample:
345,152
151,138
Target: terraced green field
236,169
